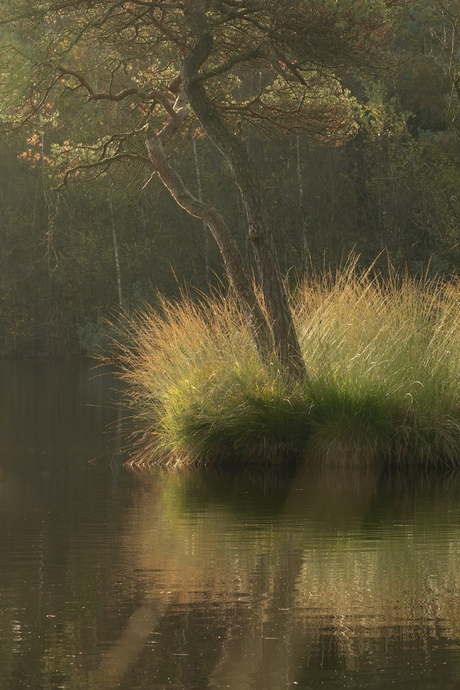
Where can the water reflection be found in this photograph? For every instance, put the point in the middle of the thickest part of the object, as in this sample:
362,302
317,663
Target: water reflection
109,579
304,579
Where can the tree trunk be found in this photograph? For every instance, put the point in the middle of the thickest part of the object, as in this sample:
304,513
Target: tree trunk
259,230
116,254
200,197
233,261
305,248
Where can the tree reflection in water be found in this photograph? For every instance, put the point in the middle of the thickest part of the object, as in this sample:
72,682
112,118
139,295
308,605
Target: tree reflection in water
262,581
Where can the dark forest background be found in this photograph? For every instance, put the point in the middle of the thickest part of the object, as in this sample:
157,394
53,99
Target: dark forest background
70,260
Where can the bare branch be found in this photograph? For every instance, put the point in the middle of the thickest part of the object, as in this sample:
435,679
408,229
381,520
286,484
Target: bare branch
227,66
180,113
104,164
168,33
156,5
109,13
107,96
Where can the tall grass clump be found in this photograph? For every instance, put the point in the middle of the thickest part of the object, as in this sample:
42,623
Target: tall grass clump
199,391
383,357
383,377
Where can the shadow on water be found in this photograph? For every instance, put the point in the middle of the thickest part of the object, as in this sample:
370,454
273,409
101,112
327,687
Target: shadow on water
317,577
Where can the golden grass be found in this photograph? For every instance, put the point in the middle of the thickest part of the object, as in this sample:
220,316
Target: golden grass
382,358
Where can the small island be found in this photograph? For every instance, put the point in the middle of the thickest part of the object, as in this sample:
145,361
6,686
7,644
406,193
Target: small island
381,383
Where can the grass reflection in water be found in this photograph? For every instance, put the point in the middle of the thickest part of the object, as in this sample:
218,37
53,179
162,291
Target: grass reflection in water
265,583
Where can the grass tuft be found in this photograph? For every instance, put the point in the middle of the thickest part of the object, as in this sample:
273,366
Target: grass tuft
383,363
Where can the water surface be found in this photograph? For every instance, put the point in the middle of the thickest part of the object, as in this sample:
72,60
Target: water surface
242,580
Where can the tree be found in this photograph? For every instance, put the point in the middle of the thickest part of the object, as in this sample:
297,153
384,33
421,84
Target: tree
223,66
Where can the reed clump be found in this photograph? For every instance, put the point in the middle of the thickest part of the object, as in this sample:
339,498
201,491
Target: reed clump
383,377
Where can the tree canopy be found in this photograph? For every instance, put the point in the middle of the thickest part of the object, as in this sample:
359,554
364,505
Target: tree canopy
273,63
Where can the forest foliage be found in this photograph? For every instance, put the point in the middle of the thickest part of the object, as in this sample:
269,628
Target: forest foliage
378,174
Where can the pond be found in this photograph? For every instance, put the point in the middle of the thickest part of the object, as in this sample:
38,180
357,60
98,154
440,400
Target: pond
111,578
